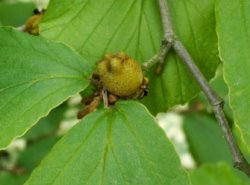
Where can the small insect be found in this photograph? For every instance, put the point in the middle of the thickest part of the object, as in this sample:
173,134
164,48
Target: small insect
117,77
32,24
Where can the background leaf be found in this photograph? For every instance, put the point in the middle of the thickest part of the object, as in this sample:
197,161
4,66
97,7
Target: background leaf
15,14
96,27
220,174
11,179
122,145
47,125
205,139
35,76
34,153
234,46
16,164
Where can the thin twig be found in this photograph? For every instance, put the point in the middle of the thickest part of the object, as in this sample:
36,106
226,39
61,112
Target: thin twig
166,22
166,44
187,59
217,103
158,58
239,161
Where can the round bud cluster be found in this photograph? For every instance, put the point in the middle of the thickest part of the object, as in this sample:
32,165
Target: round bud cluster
121,75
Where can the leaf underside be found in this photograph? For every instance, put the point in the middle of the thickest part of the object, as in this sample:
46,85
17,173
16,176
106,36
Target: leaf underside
97,27
121,145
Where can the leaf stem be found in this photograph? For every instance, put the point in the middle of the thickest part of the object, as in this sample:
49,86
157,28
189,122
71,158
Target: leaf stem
169,35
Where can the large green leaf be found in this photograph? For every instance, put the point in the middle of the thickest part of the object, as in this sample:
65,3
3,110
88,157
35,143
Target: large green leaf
96,27
234,46
36,75
120,145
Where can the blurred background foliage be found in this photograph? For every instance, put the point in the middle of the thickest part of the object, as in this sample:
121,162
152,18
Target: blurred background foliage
16,12
20,13
192,128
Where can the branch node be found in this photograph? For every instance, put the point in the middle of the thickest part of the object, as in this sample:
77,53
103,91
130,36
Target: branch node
242,165
218,102
159,57
169,40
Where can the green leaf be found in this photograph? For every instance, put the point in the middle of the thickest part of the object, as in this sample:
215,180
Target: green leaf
220,174
36,75
234,46
205,139
34,153
15,14
96,27
121,145
7,178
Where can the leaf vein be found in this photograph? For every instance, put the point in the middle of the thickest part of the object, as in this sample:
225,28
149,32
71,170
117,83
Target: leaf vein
117,29
78,149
